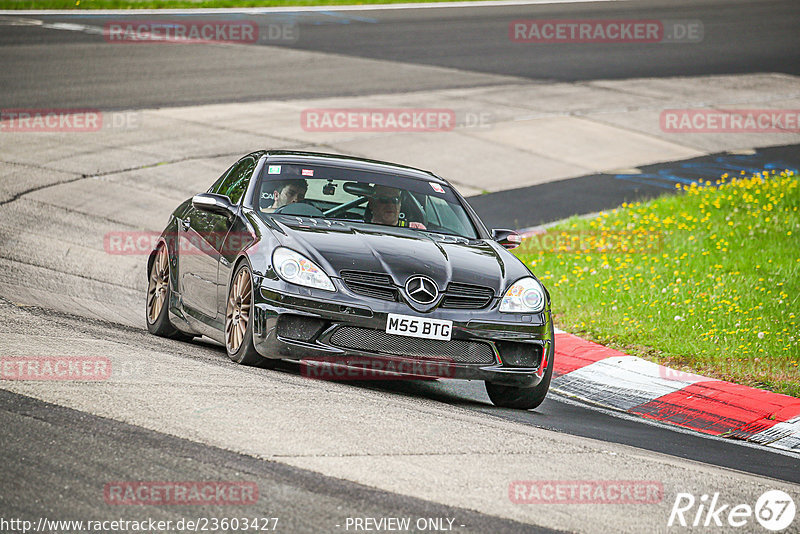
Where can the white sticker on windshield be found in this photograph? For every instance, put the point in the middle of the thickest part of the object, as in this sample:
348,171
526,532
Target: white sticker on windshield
274,169
436,187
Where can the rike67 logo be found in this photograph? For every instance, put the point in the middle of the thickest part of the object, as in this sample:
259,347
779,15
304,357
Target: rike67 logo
774,510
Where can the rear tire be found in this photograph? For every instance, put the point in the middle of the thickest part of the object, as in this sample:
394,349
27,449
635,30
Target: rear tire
522,398
158,294
238,321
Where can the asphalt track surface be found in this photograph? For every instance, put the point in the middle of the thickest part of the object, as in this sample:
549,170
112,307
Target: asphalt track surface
300,500
552,201
67,68
61,453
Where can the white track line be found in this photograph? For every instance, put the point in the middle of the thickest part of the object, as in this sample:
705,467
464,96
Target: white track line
295,9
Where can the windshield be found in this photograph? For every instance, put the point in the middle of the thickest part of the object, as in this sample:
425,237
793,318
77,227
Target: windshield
363,197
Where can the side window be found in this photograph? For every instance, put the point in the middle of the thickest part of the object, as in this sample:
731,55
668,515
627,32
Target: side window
234,183
215,187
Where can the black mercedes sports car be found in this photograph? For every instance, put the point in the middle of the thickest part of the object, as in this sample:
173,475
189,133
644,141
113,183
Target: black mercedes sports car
339,261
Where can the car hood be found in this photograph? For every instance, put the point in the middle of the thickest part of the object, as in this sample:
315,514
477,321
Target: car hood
401,253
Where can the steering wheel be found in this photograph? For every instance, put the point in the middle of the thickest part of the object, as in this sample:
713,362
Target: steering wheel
344,207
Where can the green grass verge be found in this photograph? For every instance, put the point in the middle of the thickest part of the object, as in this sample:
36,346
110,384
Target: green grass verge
181,4
706,281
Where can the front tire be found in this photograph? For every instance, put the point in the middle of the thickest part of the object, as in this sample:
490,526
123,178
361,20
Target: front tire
522,398
158,294
238,320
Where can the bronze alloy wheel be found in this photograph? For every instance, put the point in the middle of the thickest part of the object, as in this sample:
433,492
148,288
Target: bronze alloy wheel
158,285
238,311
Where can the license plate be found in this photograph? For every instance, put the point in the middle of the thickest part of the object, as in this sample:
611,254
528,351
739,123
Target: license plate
407,325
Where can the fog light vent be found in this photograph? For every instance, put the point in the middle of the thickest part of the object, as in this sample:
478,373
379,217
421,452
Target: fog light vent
515,354
300,328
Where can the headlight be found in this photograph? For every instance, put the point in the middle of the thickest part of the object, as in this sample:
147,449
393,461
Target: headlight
297,269
526,295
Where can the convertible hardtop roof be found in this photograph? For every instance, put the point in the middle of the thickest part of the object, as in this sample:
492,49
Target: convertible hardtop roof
319,158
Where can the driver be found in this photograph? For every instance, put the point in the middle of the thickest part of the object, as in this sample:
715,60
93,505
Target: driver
285,192
384,204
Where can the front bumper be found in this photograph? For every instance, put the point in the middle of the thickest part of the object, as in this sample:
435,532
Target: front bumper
298,323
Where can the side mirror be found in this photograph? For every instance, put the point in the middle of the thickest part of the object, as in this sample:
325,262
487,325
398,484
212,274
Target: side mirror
213,203
508,238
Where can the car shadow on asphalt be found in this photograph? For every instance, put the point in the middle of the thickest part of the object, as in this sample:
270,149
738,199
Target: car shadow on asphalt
431,389
469,394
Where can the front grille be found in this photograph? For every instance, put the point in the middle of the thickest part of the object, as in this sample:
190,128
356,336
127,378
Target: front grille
377,341
467,297
375,285
381,286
